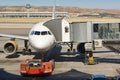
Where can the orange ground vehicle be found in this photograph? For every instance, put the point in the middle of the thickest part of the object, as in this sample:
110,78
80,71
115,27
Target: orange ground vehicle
36,67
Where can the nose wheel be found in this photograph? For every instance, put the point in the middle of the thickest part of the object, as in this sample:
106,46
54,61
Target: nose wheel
26,50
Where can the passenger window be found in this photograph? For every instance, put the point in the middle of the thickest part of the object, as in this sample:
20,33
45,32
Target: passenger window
44,33
37,33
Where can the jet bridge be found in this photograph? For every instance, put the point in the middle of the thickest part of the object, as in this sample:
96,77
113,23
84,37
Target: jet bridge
68,33
81,32
84,32
60,28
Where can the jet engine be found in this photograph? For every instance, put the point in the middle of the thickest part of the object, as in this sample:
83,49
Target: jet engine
10,47
81,48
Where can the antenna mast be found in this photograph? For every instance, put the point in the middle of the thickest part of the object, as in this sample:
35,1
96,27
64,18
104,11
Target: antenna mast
54,6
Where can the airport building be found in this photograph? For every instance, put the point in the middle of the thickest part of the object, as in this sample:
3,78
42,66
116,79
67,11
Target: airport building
31,14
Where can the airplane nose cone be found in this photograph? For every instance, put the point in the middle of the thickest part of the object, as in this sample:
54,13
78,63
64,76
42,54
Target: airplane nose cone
41,45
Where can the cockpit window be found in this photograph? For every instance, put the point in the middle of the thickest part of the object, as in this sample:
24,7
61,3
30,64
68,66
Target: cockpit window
32,33
37,33
49,33
41,33
44,33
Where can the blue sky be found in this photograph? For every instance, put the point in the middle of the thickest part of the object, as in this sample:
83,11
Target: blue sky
102,4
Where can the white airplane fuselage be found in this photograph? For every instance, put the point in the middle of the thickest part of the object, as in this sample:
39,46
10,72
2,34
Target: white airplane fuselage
41,38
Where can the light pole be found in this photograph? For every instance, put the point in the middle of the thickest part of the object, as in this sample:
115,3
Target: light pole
28,6
54,6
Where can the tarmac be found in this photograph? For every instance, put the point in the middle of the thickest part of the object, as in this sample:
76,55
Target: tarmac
67,66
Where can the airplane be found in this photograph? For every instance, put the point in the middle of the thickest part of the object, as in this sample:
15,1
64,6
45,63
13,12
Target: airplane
40,38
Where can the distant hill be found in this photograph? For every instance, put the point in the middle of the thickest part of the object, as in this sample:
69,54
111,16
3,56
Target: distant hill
72,11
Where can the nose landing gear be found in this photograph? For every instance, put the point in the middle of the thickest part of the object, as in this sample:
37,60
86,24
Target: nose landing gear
26,50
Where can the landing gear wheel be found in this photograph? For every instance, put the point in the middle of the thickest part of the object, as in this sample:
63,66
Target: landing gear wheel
25,52
29,51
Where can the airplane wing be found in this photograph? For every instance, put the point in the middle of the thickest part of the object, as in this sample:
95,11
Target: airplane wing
14,36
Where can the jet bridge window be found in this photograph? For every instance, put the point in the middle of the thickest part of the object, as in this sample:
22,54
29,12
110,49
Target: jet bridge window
95,28
66,29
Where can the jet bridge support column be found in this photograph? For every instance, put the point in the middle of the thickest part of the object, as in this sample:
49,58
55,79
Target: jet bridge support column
70,45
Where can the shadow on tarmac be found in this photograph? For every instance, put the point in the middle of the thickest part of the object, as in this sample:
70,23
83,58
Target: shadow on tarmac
113,48
8,76
13,56
70,75
108,60
59,56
